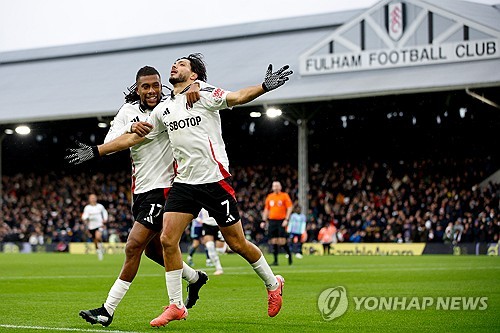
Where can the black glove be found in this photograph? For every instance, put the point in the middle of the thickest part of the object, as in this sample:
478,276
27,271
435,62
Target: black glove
276,79
84,153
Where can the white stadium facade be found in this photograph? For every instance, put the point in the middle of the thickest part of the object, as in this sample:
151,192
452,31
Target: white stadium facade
393,55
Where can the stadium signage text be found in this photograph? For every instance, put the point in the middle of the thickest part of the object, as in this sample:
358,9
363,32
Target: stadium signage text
89,248
402,57
366,249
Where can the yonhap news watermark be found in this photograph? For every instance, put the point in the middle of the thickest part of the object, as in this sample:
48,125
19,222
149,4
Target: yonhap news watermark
334,302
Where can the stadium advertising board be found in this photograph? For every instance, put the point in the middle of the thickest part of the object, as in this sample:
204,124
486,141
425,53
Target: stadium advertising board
494,249
458,249
89,248
401,34
366,249
384,249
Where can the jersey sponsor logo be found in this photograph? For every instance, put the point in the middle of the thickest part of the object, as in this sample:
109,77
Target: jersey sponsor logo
183,123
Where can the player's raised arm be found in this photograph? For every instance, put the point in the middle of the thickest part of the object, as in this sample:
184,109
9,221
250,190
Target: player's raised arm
272,81
122,142
85,152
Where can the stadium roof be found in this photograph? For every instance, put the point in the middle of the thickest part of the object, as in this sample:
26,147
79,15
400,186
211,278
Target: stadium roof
86,80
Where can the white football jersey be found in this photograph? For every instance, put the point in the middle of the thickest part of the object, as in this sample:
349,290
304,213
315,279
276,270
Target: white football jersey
195,134
152,160
94,216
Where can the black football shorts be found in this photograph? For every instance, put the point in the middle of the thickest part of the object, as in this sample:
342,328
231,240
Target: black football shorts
217,198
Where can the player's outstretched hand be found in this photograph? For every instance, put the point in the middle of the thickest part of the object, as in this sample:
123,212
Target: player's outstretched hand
82,154
276,79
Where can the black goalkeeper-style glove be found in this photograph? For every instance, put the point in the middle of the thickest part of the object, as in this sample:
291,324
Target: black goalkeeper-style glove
82,154
276,79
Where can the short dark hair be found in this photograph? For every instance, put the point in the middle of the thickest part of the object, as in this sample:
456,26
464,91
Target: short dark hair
145,71
132,95
197,65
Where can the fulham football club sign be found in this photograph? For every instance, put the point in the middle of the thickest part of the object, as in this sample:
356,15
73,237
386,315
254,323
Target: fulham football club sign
395,34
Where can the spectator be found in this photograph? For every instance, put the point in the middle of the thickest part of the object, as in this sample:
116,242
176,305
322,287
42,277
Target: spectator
327,236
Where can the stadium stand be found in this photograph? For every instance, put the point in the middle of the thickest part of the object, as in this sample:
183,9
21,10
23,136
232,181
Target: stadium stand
433,201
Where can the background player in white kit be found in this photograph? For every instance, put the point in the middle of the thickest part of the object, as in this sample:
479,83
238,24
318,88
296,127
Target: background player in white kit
95,216
152,175
212,234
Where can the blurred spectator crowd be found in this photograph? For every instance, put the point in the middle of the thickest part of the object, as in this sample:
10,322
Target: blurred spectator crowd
369,201
46,209
418,201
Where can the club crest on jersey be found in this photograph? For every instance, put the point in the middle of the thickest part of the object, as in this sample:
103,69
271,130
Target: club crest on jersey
217,93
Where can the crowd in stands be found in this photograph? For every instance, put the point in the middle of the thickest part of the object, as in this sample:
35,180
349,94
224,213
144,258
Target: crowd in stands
47,209
420,201
368,201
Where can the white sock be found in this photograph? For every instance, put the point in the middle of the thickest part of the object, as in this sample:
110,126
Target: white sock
221,250
189,274
263,270
115,295
212,253
174,287
99,251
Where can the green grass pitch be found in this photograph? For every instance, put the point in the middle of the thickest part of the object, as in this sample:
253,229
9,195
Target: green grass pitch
44,293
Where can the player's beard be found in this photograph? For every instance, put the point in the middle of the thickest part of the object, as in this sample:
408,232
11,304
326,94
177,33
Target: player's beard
181,78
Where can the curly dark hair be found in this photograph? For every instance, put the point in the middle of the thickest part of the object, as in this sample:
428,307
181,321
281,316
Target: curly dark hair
197,65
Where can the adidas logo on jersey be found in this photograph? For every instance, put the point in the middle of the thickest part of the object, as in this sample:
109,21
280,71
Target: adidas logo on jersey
230,219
